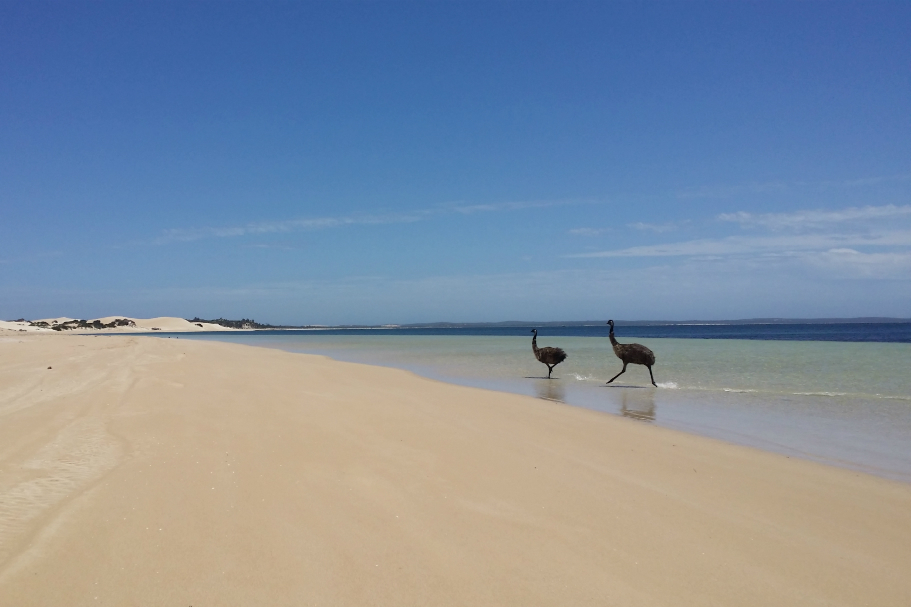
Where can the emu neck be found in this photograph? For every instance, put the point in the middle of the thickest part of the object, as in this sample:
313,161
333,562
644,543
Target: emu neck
613,340
534,344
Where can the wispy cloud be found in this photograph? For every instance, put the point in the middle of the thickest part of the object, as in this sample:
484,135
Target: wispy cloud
862,181
731,190
31,257
271,247
744,245
322,223
867,242
644,227
291,225
857,264
512,206
728,191
589,231
816,218
653,227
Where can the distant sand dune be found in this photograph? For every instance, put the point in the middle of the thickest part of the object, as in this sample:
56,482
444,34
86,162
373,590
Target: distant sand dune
142,325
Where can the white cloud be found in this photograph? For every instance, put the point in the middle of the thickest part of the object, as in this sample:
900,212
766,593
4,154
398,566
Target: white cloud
291,225
865,181
510,206
729,191
652,227
871,242
744,245
816,218
645,227
321,223
589,231
850,263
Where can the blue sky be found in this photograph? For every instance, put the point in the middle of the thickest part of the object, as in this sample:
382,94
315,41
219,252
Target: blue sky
395,162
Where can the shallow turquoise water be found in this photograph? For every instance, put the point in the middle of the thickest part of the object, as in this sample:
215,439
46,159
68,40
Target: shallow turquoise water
843,403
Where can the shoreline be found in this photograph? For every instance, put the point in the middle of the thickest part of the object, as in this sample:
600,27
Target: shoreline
853,437
845,429
215,473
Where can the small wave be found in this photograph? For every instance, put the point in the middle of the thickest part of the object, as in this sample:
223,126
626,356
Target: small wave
738,390
820,393
582,377
670,385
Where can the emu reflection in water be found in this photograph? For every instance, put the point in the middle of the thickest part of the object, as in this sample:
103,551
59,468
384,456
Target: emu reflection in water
550,390
638,404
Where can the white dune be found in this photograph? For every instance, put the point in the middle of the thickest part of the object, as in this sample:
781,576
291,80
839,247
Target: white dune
141,325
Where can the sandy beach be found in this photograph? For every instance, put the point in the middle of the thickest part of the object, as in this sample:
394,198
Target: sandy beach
144,471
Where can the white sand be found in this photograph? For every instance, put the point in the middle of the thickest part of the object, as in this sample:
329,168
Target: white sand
141,471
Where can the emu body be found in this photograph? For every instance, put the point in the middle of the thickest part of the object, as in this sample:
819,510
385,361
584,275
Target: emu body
549,356
631,353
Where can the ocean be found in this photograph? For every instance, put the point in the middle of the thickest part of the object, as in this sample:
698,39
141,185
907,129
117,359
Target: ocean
833,393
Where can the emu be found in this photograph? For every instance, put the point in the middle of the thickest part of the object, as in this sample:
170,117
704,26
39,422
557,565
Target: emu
549,356
631,353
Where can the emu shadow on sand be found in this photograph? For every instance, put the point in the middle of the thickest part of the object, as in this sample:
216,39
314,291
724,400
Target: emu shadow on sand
549,356
631,353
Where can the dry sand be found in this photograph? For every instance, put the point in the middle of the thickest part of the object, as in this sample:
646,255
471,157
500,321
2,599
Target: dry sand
170,324
143,471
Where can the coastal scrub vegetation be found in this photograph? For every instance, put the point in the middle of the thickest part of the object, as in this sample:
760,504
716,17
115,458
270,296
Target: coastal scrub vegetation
244,323
83,324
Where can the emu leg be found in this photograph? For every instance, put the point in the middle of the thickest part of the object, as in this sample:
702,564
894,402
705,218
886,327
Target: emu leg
652,376
549,370
622,371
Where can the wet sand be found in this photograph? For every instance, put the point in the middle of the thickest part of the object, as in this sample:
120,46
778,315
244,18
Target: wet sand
168,471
